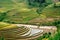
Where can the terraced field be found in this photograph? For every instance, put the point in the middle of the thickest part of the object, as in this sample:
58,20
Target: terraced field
48,15
5,5
17,12
24,32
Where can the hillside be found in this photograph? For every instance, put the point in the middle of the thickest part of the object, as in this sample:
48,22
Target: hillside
17,11
20,12
48,15
5,5
33,12
51,11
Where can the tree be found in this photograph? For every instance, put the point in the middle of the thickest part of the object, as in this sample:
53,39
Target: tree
34,2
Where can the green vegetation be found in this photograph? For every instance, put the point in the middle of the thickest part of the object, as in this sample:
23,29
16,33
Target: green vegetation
22,16
2,24
5,5
6,26
57,35
51,11
51,14
38,12
2,16
22,13
2,38
44,37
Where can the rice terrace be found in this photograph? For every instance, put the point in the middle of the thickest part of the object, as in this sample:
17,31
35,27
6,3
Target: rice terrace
29,19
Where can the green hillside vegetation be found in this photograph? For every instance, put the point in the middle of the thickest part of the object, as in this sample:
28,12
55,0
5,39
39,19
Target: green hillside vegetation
38,12
49,15
51,11
5,5
20,16
20,11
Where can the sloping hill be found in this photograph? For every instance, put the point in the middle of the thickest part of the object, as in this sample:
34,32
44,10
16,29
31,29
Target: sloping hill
19,12
48,16
51,11
5,5
21,16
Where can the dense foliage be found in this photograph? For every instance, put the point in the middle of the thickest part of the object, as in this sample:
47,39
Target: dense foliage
2,16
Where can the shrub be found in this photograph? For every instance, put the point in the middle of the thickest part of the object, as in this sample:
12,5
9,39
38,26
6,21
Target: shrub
2,16
2,38
56,37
